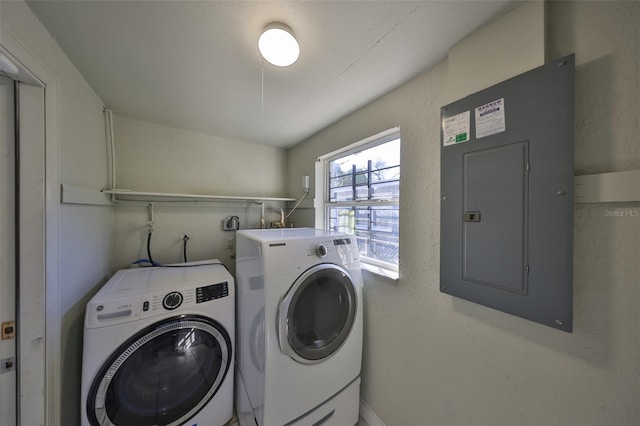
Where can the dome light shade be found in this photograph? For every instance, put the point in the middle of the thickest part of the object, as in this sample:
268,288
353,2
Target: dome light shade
278,45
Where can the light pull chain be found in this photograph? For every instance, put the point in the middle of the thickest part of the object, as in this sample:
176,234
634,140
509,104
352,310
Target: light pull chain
262,221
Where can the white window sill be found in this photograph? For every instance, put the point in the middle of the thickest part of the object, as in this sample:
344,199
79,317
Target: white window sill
385,274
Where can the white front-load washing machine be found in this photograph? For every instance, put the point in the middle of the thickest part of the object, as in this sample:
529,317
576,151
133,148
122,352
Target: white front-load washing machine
299,327
159,347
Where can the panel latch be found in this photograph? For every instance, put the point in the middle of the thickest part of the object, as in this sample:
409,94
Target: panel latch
472,216
7,364
8,330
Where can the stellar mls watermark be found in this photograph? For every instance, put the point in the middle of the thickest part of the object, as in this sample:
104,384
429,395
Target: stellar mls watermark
621,212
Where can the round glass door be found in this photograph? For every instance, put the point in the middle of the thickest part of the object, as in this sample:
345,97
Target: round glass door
317,313
163,375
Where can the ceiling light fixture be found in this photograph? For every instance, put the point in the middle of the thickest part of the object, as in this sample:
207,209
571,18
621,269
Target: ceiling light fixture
278,45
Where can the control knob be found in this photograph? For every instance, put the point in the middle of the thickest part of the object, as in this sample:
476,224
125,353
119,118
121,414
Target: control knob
172,300
321,250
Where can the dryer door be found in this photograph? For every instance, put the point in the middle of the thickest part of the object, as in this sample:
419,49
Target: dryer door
317,314
163,375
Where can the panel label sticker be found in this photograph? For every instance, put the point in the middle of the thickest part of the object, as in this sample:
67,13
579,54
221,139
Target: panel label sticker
490,119
456,129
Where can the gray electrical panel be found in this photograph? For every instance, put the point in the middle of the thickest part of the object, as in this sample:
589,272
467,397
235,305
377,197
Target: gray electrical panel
506,236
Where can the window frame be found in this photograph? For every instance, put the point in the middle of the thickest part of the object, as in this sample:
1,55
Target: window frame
323,203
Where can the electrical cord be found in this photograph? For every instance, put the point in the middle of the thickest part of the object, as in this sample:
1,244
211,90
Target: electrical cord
184,247
304,195
149,247
184,252
139,261
159,265
232,222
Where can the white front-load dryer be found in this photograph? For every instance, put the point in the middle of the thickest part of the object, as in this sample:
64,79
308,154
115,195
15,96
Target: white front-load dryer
299,327
159,346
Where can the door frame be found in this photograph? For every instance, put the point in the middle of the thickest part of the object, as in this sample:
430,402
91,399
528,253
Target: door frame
44,315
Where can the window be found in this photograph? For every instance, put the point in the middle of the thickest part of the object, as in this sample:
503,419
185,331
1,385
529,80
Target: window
361,198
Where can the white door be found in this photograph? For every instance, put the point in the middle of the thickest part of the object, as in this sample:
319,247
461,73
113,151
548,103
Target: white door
30,253
7,253
26,193
22,374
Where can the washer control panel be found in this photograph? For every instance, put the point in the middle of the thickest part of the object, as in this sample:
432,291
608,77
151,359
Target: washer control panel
188,297
140,293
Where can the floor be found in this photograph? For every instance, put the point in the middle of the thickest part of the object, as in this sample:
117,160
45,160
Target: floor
361,422
234,421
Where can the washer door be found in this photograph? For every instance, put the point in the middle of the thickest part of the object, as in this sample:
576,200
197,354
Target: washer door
163,375
317,313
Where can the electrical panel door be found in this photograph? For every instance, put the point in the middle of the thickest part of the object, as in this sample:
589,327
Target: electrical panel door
495,224
507,196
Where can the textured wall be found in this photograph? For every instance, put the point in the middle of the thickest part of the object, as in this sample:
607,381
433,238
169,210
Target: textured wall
478,61
434,359
604,37
151,157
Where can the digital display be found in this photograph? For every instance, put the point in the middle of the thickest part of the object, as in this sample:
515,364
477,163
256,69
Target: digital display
211,292
341,241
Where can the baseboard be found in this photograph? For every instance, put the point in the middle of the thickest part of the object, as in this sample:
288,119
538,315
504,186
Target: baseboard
369,416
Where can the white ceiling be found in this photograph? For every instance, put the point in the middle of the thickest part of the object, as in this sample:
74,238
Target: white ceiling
195,64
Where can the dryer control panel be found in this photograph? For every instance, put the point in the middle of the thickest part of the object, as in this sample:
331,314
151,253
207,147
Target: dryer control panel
334,250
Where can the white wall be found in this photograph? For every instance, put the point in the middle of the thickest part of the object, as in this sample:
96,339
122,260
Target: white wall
151,157
429,358
478,61
84,231
433,359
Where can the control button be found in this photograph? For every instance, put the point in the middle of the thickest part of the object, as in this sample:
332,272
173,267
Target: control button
321,250
145,306
172,300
